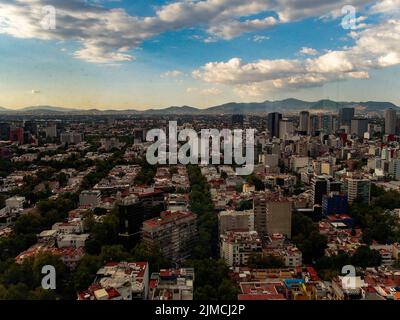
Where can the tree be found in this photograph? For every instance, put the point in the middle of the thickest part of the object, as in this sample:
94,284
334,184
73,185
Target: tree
365,257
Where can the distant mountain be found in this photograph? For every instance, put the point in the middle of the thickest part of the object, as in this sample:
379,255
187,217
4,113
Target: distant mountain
45,109
227,108
173,110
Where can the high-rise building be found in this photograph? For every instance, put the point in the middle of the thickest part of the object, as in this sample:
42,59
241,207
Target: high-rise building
273,121
345,116
31,127
173,233
272,214
17,134
358,189
304,122
390,121
319,188
5,130
131,214
286,129
359,126
313,125
326,123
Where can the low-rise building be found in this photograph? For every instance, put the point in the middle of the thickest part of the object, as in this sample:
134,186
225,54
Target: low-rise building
119,281
172,284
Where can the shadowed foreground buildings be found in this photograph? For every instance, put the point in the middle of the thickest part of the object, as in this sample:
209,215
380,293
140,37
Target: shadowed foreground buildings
173,233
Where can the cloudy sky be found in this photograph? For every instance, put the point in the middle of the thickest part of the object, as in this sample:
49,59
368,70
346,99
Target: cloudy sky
156,53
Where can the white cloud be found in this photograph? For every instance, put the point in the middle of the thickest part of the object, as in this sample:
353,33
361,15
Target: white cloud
259,38
375,47
33,91
308,51
171,74
205,91
108,35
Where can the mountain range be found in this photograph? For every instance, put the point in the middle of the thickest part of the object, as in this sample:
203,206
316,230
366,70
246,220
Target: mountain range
227,108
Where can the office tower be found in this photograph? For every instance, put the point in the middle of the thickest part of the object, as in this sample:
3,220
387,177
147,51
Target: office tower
313,125
359,127
286,129
51,130
273,120
237,120
130,216
326,123
390,121
5,130
358,189
304,122
345,116
31,127
272,214
319,188
17,134
173,233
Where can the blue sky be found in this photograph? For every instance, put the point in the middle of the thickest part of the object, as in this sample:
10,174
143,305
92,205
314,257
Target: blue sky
141,54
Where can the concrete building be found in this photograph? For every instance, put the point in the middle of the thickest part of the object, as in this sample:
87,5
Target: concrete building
173,232
304,122
235,221
272,214
273,122
286,129
172,284
90,198
358,189
359,127
71,137
119,281
237,247
345,116
390,121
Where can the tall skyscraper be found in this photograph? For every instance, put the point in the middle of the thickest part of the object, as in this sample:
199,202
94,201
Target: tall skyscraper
314,125
286,129
326,123
359,127
131,216
390,121
273,121
345,116
304,121
5,130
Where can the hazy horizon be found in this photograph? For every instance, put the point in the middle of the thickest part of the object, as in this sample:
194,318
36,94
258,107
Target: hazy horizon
156,54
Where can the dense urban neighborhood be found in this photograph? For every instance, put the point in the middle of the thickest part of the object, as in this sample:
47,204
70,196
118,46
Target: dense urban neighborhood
317,219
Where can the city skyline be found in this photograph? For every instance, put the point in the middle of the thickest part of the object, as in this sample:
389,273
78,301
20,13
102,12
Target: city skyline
116,55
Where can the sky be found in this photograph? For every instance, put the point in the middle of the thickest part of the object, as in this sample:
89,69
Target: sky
154,53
